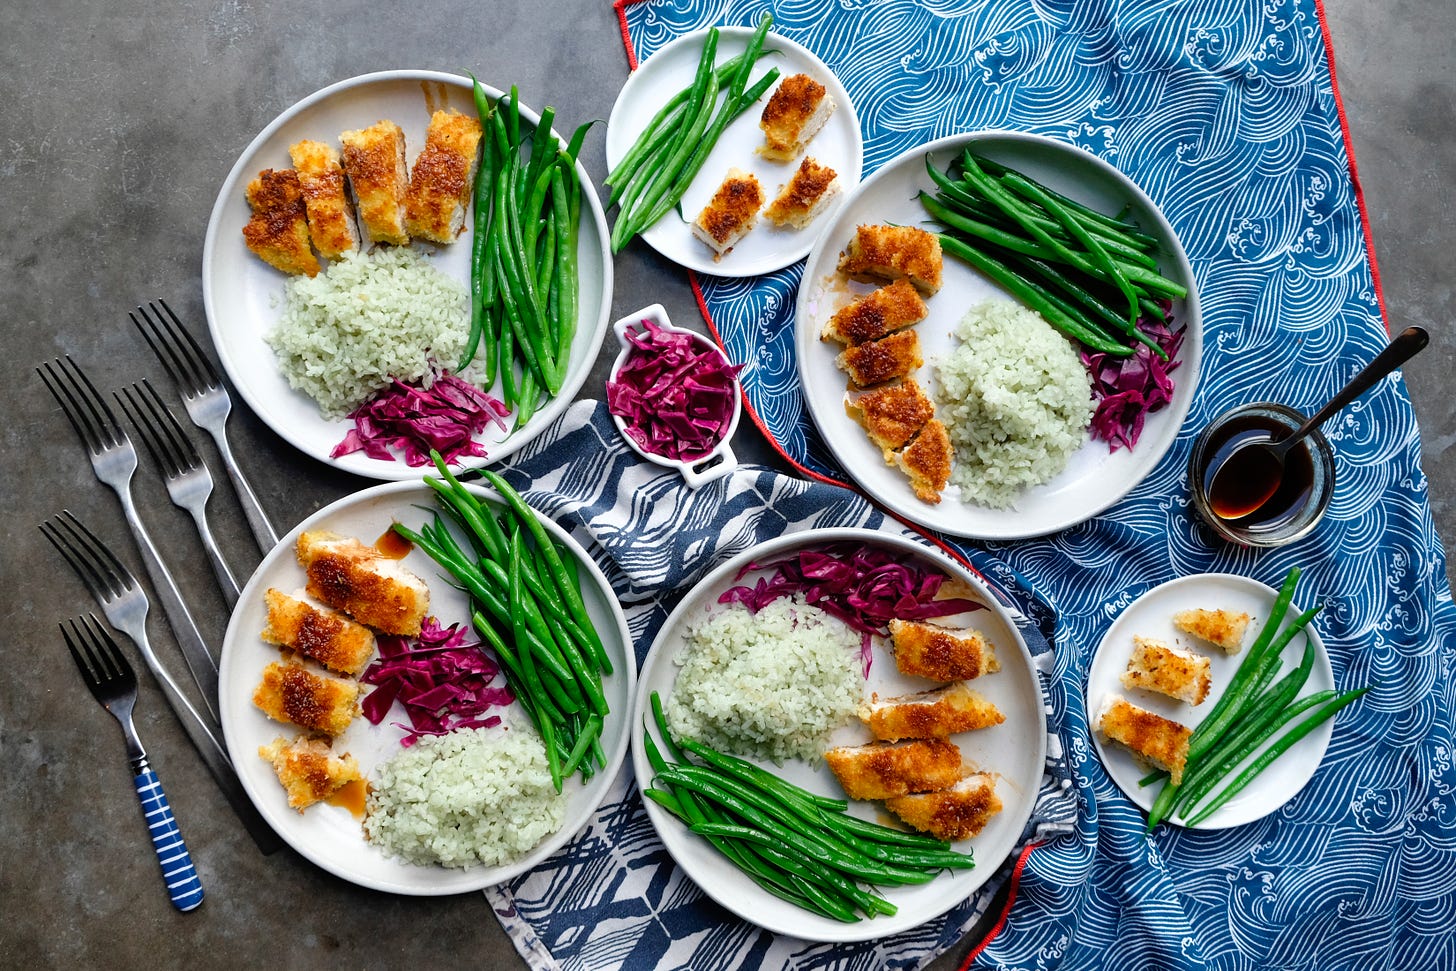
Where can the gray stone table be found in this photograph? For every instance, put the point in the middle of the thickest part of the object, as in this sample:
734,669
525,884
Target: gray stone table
118,123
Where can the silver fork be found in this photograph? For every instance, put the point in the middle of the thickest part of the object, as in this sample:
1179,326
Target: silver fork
125,606
205,399
188,481
114,460
113,683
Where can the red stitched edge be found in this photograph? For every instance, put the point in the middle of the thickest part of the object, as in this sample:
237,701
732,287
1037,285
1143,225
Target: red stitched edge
621,7
1011,897
1354,171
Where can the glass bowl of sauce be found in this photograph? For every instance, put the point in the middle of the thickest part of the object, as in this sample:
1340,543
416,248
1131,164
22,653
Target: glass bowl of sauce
1301,493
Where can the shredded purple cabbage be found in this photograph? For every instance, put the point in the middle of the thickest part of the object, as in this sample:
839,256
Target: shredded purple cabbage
446,417
443,683
1128,389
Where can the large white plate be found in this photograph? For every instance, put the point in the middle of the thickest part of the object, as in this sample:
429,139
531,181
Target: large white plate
243,295
1014,750
1151,615
1094,478
766,247
329,835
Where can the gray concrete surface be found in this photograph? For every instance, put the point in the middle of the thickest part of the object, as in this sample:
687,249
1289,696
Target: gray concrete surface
117,124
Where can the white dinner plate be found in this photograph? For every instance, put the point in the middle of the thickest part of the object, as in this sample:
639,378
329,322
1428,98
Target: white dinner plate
1015,751
766,247
1094,479
329,835
1151,615
244,296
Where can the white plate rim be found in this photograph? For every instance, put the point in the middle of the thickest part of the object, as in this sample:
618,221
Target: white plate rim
950,516
236,688
589,338
696,256
1104,672
809,926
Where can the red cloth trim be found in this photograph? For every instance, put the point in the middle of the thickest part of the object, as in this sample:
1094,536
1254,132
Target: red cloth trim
1354,171
1010,899
621,7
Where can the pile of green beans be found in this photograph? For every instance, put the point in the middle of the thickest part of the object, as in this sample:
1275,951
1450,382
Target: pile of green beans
523,263
1250,713
1091,275
526,603
651,178
801,847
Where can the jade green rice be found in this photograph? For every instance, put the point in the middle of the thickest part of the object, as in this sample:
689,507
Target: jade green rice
366,319
769,685
473,796
1015,400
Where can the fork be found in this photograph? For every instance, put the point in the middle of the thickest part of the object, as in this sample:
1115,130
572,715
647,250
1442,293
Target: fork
125,606
113,683
188,481
205,399
114,460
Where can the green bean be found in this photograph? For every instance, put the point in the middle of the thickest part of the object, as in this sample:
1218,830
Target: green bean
631,223
1088,214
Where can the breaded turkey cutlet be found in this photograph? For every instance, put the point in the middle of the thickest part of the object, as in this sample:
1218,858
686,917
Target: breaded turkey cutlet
319,702
892,415
937,713
926,460
882,770
330,216
795,112
957,813
443,175
319,633
940,654
886,359
308,769
374,158
894,253
731,213
1158,741
278,229
364,583
876,315
1222,628
806,195
1156,666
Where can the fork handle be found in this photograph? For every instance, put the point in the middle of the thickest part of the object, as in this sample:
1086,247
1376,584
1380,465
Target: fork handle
183,886
263,531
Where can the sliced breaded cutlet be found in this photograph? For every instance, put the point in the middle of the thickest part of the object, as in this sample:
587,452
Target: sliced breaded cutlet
894,253
372,588
319,633
1223,629
1158,741
278,229
927,460
937,713
374,158
1159,667
330,216
882,770
731,213
806,195
957,813
940,654
443,176
876,315
886,359
795,112
309,770
892,415
291,693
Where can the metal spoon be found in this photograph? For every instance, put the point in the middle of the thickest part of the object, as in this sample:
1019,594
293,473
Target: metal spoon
1263,461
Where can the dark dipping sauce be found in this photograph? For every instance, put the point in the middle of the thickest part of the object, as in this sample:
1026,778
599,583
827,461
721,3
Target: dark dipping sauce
1253,473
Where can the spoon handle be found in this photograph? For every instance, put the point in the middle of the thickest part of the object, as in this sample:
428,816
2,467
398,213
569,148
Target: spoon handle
1405,346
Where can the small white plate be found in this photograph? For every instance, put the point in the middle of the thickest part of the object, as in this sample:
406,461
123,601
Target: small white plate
1014,750
838,145
1094,478
244,296
1151,615
329,835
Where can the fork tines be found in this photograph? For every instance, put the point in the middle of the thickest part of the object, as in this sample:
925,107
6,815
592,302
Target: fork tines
168,444
103,667
82,403
178,350
103,574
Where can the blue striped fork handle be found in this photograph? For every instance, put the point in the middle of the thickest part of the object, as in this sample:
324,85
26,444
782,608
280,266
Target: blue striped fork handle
183,886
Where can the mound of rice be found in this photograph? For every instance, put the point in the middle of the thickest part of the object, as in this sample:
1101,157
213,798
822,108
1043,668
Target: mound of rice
473,796
768,685
1015,400
365,319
